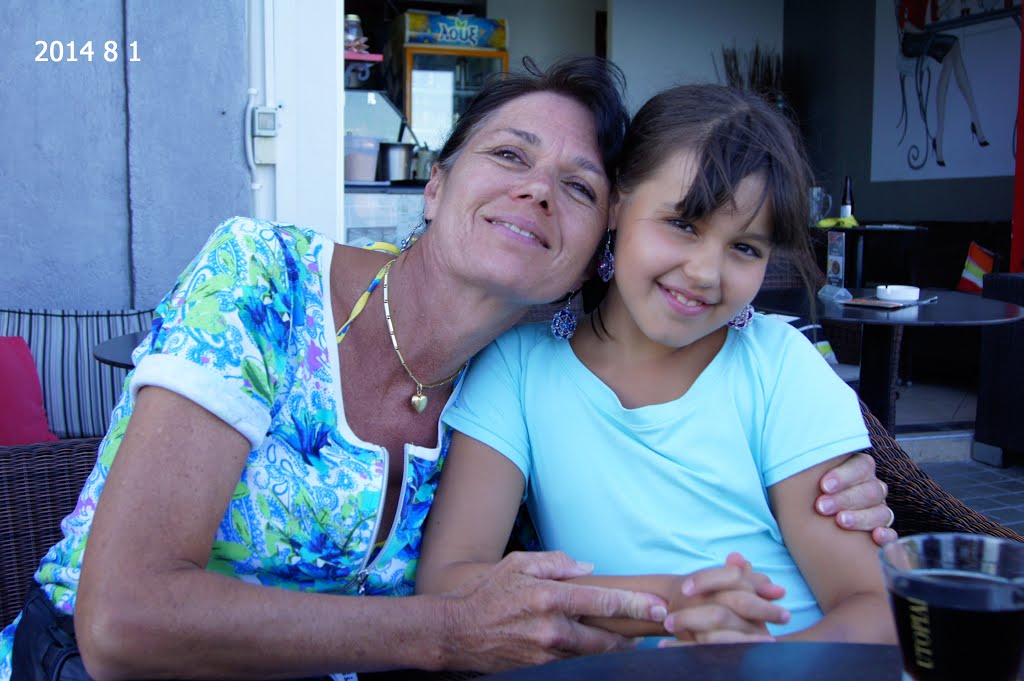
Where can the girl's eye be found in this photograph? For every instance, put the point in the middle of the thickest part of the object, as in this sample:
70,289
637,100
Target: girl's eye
581,188
681,223
747,249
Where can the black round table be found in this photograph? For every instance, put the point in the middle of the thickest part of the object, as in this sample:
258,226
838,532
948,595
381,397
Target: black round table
727,662
118,351
951,308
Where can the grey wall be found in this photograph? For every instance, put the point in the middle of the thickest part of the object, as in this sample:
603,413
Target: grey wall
113,174
659,43
546,30
828,67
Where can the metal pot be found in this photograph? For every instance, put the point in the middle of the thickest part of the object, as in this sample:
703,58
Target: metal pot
424,161
394,162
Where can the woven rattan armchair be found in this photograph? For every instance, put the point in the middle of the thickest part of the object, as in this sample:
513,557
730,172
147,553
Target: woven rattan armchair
39,485
919,503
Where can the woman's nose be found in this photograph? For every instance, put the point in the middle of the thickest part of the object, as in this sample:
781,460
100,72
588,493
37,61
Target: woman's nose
537,185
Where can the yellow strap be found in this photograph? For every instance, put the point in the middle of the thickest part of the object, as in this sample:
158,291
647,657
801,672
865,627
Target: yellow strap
383,247
361,303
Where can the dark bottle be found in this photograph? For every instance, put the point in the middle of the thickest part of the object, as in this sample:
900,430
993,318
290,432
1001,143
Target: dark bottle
846,205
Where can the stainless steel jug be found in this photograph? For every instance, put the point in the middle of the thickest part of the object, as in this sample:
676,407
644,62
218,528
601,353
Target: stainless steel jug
394,162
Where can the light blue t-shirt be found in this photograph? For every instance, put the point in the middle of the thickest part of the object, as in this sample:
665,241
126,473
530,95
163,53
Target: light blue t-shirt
666,488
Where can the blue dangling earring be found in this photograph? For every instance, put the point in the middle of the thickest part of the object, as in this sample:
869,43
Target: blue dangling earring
606,263
563,324
743,319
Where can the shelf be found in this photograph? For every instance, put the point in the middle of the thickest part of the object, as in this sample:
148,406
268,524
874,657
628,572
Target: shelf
363,56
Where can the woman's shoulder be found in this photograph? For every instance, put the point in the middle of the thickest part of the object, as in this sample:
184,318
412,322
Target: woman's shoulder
255,235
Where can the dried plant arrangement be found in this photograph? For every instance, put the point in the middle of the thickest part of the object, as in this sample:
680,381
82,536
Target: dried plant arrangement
757,70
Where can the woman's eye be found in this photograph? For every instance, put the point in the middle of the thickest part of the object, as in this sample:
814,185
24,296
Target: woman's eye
508,154
581,188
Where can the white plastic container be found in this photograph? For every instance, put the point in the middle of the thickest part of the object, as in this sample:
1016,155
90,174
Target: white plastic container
361,158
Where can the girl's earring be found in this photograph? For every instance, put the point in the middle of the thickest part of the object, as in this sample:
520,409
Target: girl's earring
743,319
563,324
606,263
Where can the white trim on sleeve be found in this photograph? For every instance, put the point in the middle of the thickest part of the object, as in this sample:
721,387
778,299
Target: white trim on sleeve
205,388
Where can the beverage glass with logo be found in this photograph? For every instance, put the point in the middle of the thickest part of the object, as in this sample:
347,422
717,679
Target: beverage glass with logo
958,602
821,204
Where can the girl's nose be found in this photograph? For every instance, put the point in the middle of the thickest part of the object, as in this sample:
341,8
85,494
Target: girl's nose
703,266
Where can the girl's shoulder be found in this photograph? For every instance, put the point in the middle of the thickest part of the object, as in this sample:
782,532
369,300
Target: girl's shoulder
526,336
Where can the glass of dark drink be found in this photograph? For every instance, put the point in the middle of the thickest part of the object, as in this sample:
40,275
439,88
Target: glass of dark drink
958,602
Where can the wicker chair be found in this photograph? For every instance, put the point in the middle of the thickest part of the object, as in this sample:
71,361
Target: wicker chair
919,503
39,485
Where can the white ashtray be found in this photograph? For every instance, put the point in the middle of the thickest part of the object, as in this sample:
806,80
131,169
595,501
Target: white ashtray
898,293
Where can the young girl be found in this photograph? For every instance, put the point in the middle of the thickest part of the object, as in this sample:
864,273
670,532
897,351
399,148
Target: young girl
675,426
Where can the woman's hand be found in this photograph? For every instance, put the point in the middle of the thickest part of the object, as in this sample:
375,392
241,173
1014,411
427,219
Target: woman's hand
516,613
727,604
856,497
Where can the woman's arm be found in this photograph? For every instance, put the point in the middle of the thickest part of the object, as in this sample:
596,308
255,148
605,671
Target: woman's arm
841,567
148,608
471,519
856,497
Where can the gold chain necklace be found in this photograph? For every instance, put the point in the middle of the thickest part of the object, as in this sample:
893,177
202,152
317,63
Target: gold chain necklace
419,400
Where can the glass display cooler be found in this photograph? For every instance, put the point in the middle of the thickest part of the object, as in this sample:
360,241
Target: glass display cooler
437,63
438,83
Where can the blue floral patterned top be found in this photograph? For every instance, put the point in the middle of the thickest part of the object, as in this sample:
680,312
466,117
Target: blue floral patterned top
248,333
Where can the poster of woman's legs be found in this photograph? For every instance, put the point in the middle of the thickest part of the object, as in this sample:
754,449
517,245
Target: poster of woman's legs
945,88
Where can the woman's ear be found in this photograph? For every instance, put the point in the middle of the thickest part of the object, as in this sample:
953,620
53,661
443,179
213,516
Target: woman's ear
431,192
614,208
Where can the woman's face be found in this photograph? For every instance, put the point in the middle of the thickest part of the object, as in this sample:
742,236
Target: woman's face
678,280
521,210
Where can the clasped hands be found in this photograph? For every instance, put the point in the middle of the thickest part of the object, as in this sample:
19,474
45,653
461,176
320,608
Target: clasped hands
727,604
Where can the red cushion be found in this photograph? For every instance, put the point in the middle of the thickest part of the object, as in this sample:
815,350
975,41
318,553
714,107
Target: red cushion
22,415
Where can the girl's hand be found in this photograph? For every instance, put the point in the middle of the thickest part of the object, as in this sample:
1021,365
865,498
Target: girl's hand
725,605
856,497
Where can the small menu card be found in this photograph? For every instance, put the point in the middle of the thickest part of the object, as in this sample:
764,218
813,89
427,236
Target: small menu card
836,258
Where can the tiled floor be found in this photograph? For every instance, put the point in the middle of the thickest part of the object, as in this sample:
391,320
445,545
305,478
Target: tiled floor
934,424
995,492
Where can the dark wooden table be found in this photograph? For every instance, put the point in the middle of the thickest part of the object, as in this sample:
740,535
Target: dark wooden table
860,233
118,351
726,662
952,308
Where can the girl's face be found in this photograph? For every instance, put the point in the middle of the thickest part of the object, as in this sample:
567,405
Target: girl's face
677,280
522,208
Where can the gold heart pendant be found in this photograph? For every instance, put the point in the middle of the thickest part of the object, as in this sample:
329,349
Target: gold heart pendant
419,403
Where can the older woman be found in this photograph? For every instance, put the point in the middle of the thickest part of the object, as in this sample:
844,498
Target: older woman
281,429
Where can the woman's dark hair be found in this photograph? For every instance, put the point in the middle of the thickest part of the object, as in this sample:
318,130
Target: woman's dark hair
734,134
594,82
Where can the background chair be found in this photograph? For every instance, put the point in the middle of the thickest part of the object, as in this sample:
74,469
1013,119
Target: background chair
999,429
919,503
39,485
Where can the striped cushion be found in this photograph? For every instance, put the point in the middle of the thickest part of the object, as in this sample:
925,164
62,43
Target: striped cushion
78,392
980,261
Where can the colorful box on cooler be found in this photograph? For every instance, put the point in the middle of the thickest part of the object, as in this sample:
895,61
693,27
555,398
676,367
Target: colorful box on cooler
422,28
